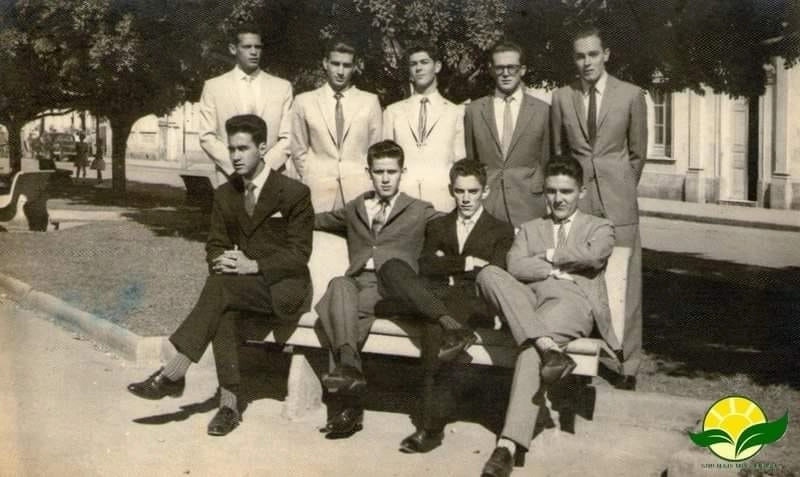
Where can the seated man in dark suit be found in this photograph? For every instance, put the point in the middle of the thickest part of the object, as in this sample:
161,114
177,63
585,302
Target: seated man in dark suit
257,251
457,247
379,225
554,291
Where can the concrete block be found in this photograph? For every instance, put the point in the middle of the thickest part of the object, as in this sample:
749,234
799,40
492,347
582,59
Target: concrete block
304,390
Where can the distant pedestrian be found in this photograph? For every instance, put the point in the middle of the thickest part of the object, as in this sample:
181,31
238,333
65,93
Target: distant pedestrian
81,156
98,164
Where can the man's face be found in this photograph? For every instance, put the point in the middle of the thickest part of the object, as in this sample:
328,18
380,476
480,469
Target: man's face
247,51
590,57
507,71
245,154
562,193
339,69
385,174
423,69
469,195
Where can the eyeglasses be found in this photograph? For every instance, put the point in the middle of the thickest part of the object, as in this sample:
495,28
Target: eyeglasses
512,69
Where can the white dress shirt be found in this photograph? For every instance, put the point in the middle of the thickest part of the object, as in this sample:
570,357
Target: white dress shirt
259,180
465,227
550,252
599,89
249,92
500,107
373,205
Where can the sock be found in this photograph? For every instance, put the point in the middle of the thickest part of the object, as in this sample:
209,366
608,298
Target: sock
227,398
176,367
508,444
349,357
449,323
544,343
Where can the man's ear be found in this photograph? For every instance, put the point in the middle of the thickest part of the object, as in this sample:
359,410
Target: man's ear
262,149
437,66
450,189
485,193
232,48
582,192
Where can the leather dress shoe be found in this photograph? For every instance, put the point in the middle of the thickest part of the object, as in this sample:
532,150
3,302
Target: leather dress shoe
456,341
223,422
626,383
345,379
421,441
500,464
344,424
157,386
556,365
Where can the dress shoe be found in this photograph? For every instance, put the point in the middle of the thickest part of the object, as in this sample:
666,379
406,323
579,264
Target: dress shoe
421,441
157,386
456,341
556,365
345,379
344,424
626,383
500,464
224,421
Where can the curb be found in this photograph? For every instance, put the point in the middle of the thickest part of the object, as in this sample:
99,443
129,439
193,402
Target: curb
719,220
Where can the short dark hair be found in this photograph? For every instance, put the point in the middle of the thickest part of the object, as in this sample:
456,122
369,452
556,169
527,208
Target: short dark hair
466,168
241,29
507,45
564,166
247,123
385,149
586,31
430,49
340,45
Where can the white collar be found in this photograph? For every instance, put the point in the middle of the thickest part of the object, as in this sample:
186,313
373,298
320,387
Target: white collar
599,85
260,179
240,74
432,97
330,93
566,221
517,95
473,219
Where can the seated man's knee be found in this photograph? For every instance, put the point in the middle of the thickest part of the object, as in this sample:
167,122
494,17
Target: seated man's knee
394,267
339,283
489,273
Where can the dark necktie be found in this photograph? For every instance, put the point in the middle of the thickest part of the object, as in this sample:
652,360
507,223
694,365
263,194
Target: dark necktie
339,119
591,115
562,235
423,121
380,218
250,199
508,126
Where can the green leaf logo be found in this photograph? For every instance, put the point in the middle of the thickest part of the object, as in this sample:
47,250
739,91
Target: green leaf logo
735,429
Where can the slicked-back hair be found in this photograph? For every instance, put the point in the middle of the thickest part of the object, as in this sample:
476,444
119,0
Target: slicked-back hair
341,45
430,49
507,45
247,123
385,149
466,168
587,31
564,166
241,29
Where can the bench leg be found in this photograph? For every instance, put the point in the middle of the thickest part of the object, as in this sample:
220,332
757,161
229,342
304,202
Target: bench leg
304,391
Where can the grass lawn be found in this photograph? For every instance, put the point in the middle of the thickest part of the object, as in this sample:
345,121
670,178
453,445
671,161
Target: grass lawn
145,271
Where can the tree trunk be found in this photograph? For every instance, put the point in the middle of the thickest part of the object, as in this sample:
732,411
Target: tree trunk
120,129
14,145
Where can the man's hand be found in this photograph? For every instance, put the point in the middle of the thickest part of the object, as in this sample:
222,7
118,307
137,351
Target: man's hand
471,263
234,262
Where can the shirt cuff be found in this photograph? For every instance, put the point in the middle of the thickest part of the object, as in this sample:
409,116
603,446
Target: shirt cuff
548,254
469,263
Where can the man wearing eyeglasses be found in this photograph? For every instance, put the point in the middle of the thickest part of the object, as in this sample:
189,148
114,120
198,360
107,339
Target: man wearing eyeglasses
508,131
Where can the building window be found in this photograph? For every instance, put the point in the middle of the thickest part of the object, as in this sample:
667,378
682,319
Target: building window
662,125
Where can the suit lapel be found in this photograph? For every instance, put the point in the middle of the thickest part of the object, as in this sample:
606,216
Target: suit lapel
434,114
523,119
487,111
400,204
328,115
411,118
479,230
361,208
451,238
608,99
546,233
350,110
577,103
267,202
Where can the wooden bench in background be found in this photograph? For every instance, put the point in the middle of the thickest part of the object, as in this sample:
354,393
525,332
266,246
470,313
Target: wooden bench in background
402,337
28,196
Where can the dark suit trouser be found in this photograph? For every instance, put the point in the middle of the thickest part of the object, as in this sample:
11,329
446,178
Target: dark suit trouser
555,308
628,236
213,320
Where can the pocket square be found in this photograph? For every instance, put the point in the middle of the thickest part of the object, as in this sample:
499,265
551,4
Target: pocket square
276,215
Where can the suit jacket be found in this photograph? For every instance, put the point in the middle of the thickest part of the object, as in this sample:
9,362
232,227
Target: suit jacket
401,237
220,101
318,159
277,236
516,183
613,165
589,244
427,159
489,240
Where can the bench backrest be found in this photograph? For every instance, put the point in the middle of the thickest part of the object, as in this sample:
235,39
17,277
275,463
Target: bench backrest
30,184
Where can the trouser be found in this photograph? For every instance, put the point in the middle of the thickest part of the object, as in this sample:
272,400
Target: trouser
554,308
213,320
628,236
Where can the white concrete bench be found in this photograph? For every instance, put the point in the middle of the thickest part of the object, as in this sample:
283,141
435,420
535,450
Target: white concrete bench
27,198
402,337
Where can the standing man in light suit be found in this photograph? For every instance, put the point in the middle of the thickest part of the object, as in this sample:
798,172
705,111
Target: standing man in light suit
245,90
429,128
332,127
508,131
602,122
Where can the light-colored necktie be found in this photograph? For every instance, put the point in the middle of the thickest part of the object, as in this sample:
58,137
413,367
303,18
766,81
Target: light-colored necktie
508,126
591,115
339,119
562,235
467,225
423,121
380,218
250,199
251,95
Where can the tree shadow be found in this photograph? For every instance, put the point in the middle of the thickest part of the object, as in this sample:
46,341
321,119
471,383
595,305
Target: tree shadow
706,318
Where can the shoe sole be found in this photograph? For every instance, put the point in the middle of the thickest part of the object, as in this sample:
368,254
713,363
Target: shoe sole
156,398
343,434
416,450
